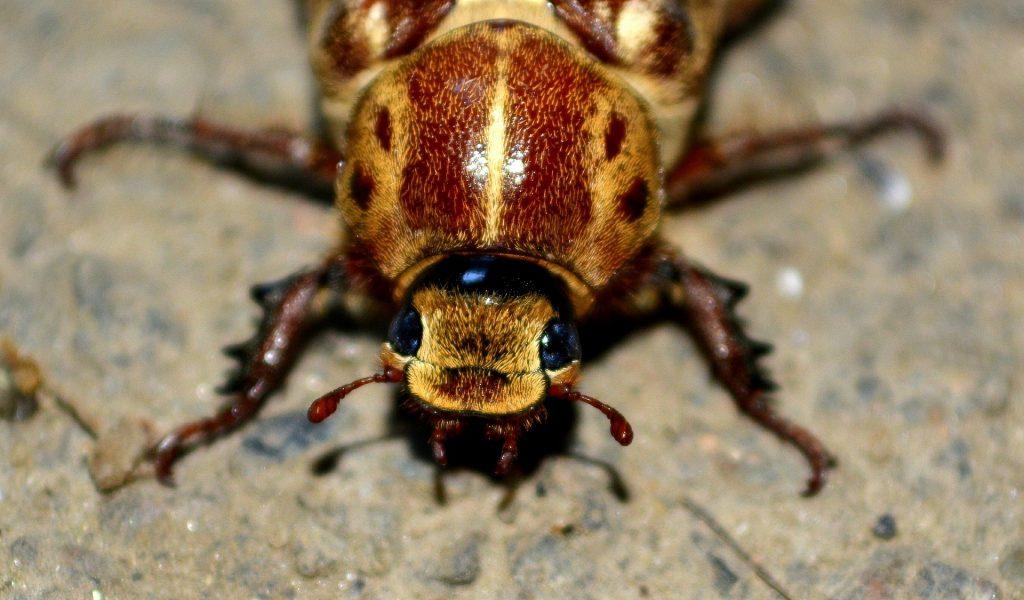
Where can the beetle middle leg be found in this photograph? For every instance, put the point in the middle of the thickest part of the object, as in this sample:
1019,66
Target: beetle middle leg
713,167
269,152
290,306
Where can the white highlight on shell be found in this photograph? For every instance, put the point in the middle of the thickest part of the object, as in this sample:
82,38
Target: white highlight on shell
515,166
789,282
477,163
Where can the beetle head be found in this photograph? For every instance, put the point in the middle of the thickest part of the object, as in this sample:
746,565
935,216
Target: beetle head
483,337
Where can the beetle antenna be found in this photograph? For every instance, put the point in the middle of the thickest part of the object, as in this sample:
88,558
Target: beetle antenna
621,430
325,405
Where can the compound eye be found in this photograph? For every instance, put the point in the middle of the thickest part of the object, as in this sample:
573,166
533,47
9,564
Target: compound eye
559,345
406,332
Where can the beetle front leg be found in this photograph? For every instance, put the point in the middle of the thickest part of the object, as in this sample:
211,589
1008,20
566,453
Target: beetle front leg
290,306
705,303
269,152
713,167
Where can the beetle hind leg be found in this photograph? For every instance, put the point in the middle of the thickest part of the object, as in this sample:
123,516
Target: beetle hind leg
270,153
290,307
713,167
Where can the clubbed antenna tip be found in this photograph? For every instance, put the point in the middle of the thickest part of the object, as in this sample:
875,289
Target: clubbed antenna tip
620,428
325,405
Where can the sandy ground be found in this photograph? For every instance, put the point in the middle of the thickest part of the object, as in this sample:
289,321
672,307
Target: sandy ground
894,292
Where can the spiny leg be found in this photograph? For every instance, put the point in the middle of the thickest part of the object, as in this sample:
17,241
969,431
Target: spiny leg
713,167
290,306
273,153
706,302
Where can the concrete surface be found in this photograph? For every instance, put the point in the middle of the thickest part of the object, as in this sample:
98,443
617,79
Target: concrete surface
893,291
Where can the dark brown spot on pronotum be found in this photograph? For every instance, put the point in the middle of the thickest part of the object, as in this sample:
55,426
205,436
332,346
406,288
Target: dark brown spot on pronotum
361,187
614,136
382,128
633,202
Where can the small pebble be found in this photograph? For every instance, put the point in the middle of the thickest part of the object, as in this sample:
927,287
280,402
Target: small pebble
893,188
459,563
566,529
20,381
885,527
790,283
118,451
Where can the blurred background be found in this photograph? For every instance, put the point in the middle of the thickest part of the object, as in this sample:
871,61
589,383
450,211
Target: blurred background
892,289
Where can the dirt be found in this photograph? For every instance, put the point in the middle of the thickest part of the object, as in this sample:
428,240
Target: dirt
893,291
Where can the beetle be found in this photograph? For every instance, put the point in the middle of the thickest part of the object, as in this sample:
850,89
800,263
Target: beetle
501,167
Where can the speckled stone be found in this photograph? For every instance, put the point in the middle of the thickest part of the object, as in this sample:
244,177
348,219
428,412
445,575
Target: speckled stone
885,527
893,292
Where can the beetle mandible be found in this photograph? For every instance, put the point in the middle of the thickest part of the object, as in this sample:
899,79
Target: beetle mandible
501,167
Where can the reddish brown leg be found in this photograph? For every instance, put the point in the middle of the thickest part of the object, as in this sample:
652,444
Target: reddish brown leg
290,306
592,30
513,481
707,303
266,152
509,454
442,431
712,167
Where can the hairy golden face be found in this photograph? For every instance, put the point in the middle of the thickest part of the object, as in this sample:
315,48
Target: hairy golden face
477,353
